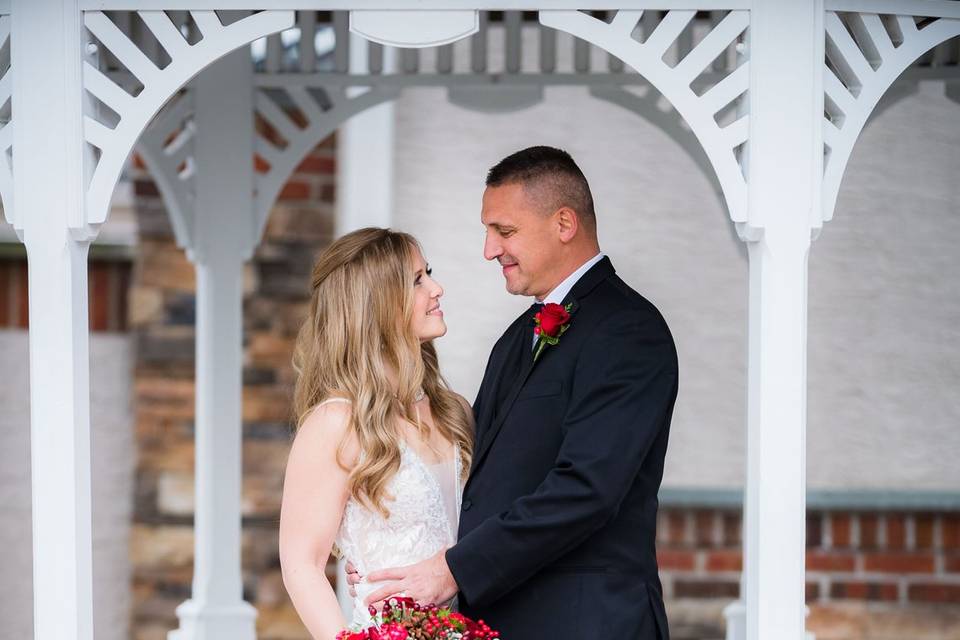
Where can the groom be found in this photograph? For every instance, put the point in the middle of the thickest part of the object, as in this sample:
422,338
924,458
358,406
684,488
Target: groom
558,519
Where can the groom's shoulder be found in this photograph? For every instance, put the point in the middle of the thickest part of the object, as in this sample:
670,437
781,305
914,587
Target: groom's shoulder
614,295
614,303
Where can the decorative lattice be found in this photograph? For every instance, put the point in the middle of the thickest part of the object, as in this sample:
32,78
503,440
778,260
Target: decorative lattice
865,53
120,116
661,47
291,122
6,119
166,148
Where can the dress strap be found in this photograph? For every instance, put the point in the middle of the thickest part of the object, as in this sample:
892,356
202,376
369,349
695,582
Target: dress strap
329,400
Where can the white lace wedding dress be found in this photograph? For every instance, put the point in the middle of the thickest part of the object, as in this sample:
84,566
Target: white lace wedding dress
424,514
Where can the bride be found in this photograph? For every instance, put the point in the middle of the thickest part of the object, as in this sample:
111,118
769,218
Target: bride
382,447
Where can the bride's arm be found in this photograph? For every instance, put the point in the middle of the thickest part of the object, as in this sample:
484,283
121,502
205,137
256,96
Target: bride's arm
314,496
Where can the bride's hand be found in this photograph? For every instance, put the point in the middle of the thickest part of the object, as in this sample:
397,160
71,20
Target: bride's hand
353,578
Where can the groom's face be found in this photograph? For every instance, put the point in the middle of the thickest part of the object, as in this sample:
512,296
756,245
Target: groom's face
521,238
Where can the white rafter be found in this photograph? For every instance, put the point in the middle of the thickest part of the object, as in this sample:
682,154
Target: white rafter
859,87
321,121
6,129
719,143
158,84
165,146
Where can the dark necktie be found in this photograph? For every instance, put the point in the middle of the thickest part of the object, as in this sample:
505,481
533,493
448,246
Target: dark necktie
533,311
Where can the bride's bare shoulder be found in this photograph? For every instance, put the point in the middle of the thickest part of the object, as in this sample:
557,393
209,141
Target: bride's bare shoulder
325,427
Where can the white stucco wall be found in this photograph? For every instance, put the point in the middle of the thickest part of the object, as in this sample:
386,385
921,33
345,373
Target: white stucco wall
113,460
884,300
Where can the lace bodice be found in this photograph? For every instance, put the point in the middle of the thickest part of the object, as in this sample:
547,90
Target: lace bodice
424,512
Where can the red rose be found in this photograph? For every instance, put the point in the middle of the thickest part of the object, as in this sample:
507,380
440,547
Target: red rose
552,317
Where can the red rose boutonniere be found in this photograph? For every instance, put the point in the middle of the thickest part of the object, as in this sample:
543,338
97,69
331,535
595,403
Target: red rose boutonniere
550,323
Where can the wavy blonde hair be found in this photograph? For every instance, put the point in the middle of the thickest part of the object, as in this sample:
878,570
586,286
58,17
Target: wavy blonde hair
357,329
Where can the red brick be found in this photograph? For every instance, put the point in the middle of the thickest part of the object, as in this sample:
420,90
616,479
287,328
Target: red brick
869,531
676,527
814,529
145,188
826,561
318,164
724,561
923,531
706,589
703,529
676,559
5,269
731,529
23,301
950,530
934,592
328,193
840,529
260,165
899,562
885,591
99,291
896,531
951,563
295,190
811,592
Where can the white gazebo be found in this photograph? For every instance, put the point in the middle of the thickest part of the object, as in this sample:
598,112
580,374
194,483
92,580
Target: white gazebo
769,96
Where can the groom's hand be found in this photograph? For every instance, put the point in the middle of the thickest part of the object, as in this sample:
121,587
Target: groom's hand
427,582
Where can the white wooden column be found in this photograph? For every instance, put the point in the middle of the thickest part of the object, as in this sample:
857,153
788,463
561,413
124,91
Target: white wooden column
49,217
365,156
784,182
221,239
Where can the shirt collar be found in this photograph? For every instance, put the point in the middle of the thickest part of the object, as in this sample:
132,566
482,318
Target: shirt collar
561,290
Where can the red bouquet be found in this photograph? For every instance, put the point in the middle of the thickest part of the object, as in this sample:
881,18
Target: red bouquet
404,619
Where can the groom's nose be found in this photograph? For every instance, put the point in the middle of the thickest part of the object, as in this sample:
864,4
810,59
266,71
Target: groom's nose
491,248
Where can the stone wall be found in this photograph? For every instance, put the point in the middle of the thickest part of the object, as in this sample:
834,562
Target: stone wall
276,284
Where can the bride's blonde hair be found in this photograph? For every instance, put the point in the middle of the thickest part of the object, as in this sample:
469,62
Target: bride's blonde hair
357,329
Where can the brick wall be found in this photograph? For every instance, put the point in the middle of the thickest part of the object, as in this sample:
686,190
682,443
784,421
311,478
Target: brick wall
162,318
108,284
893,563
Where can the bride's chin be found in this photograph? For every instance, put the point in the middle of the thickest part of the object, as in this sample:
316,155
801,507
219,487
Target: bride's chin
433,335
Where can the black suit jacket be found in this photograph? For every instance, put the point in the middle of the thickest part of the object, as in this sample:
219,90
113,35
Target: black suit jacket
558,522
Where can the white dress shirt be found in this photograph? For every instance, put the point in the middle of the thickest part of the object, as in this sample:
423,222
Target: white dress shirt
560,291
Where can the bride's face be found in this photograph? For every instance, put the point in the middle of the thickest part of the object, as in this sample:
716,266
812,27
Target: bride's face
427,321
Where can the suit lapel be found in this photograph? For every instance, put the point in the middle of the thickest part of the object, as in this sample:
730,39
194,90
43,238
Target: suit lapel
599,272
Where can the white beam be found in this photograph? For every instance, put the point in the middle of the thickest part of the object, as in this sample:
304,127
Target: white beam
365,158
48,191
410,5
785,165
223,238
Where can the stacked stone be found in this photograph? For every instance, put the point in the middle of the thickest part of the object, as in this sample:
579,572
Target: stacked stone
162,319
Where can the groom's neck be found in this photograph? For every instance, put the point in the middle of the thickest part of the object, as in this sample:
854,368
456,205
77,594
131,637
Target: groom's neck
570,262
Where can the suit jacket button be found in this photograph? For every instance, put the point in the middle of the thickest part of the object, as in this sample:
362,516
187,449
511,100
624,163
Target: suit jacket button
466,505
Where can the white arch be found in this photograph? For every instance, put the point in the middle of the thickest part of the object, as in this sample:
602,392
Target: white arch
321,121
674,83
6,130
868,66
159,85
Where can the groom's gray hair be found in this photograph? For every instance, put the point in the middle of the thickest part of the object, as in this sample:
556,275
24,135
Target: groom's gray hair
550,177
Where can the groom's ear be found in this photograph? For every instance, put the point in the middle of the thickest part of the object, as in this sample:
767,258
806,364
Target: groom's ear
568,224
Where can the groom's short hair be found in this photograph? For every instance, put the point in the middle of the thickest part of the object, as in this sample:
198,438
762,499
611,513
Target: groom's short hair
552,179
